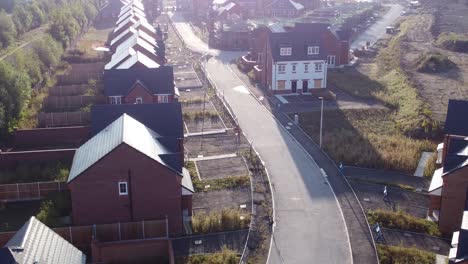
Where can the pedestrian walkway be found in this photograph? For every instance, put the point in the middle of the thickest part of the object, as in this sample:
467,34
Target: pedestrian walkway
425,157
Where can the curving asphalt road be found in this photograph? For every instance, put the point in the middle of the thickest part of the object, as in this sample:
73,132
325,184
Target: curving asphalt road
309,224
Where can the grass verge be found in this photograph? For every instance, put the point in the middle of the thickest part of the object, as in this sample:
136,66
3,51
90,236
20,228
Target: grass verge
366,138
226,256
400,255
403,221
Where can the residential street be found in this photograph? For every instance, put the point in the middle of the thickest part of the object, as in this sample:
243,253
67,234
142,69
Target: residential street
377,30
310,227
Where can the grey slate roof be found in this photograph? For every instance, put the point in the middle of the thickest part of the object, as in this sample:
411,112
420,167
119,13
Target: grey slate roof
158,80
164,119
302,36
36,242
457,154
126,130
127,58
456,122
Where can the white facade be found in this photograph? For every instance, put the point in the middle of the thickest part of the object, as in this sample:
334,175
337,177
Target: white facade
298,76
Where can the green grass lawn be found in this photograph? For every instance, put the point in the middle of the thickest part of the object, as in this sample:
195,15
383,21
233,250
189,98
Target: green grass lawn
367,138
92,39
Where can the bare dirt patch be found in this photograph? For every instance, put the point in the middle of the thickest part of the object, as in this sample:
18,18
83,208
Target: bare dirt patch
205,202
222,168
434,88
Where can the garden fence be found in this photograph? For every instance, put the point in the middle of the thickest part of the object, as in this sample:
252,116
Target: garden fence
30,191
68,90
83,236
56,119
60,103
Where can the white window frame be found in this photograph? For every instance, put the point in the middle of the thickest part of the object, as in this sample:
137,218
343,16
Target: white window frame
294,67
281,68
115,99
123,183
318,67
313,50
139,100
285,51
163,98
331,58
306,67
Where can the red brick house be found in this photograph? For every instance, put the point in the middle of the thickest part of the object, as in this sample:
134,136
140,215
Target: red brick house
140,86
295,59
124,173
449,184
283,8
458,254
140,24
129,33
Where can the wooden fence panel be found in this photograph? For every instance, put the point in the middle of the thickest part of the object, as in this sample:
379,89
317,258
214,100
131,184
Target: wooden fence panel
30,191
131,231
69,90
63,119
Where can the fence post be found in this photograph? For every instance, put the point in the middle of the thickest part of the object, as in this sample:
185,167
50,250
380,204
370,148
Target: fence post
143,228
120,235
59,189
94,232
71,234
167,228
17,191
38,190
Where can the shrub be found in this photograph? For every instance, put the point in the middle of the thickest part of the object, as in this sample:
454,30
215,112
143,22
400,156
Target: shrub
434,62
226,220
226,256
403,221
453,41
401,255
431,165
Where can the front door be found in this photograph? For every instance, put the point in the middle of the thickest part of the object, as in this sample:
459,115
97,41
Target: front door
305,86
294,86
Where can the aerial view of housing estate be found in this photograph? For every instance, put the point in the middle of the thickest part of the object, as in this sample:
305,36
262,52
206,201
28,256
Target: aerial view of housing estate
234,131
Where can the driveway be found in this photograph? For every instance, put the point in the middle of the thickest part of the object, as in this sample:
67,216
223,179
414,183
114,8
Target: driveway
377,30
309,225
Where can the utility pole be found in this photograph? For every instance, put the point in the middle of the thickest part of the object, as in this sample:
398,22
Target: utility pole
321,121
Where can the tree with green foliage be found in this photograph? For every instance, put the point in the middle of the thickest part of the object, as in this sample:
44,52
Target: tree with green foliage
7,30
22,18
15,92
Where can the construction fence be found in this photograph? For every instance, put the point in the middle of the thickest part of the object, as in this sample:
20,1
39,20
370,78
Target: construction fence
30,191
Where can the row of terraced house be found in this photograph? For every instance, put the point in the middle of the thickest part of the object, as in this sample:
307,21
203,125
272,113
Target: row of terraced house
130,169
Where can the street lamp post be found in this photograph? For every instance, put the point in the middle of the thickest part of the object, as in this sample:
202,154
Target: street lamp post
321,121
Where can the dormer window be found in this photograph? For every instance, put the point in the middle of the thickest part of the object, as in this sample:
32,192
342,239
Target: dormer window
285,51
313,50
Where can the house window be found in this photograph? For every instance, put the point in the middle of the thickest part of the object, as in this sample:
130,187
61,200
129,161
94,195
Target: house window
281,85
294,68
116,99
163,99
306,67
281,68
123,188
259,59
285,51
331,60
139,100
317,83
313,50
318,67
